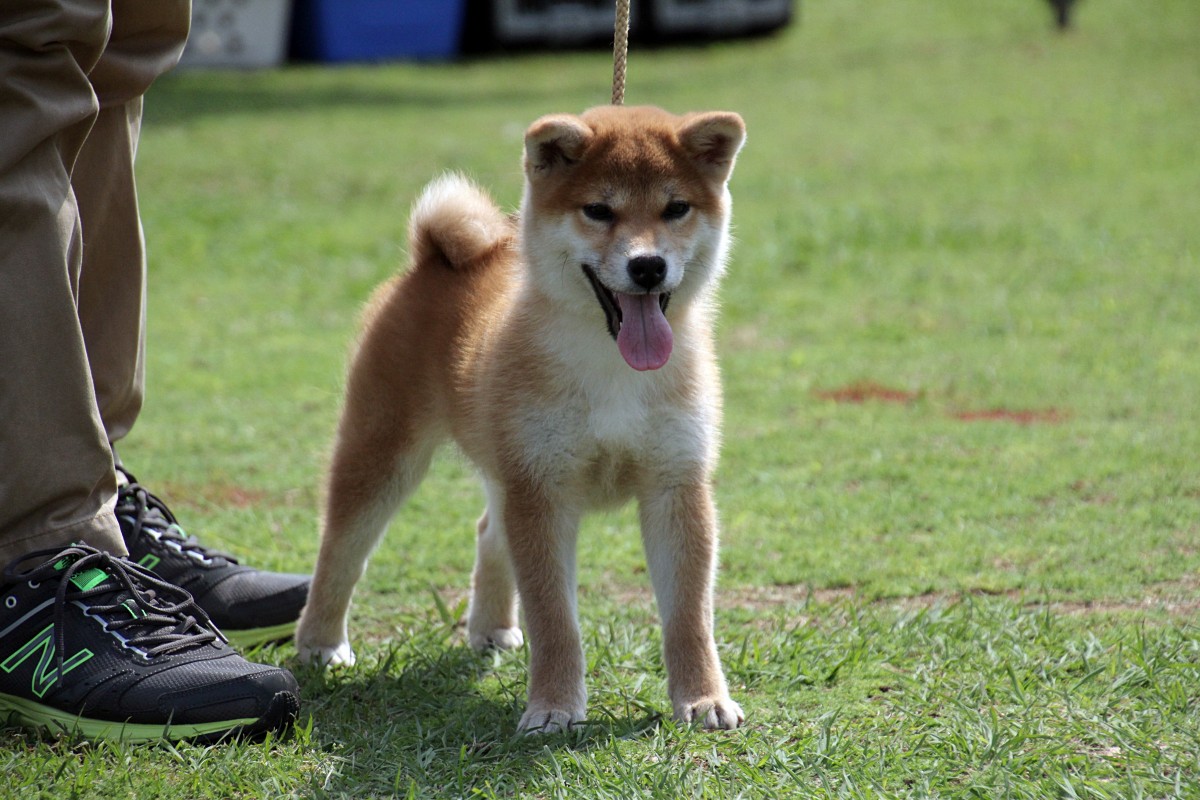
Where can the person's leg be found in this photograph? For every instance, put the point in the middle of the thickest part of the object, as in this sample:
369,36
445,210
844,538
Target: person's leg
147,39
249,605
57,484
112,311
153,668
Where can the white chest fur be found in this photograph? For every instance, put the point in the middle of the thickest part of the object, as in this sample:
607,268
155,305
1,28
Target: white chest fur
613,432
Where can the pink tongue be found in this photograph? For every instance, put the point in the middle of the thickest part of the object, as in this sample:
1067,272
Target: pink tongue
645,336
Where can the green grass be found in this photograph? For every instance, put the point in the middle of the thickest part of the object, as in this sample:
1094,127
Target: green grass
981,582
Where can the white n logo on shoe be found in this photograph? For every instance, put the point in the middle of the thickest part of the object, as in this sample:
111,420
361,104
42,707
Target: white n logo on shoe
46,672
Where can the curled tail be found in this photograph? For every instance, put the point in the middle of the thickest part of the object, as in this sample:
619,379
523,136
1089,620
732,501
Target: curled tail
456,224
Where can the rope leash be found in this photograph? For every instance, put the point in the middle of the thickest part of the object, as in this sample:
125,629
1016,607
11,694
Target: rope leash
620,51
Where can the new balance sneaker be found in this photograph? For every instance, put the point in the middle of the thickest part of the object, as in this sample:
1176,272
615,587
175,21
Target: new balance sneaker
250,606
92,644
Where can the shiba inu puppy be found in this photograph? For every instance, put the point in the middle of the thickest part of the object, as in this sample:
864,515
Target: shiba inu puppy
569,354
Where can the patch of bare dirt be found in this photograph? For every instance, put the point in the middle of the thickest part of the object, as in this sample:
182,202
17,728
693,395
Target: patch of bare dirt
1177,598
223,495
864,391
1018,416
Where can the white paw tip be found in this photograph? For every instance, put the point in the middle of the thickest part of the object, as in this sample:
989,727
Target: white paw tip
498,639
715,715
338,656
549,722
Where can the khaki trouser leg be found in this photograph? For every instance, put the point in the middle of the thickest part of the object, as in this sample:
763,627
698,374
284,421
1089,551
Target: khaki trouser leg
71,265
147,40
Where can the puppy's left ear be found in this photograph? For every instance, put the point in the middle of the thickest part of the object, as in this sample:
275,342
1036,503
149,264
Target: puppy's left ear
713,141
553,143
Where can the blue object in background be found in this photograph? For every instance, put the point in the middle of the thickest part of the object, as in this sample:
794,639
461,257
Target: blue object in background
376,30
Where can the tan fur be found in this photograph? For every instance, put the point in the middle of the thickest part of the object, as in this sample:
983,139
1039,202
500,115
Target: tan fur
495,338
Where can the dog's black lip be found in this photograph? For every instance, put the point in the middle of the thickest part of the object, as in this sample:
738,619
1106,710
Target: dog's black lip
608,301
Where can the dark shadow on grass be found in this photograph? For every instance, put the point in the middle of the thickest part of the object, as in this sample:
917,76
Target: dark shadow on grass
422,718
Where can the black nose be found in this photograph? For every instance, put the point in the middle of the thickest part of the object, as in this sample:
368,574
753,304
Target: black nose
647,271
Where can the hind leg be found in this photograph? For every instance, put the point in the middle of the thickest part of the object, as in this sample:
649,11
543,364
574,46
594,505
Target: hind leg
492,619
367,483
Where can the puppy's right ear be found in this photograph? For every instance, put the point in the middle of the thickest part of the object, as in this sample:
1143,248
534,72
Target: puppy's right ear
713,140
554,142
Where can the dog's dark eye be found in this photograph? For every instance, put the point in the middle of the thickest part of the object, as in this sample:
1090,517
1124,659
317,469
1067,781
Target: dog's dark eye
676,209
600,212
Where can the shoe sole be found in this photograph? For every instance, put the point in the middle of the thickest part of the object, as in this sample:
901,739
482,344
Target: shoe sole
281,712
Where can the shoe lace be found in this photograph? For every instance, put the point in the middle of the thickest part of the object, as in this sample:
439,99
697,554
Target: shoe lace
167,618
151,514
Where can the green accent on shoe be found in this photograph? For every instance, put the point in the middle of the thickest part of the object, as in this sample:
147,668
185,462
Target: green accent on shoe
46,673
250,637
29,713
89,579
149,561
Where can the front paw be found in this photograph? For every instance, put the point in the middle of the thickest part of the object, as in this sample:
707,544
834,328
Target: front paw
339,655
715,713
549,720
497,639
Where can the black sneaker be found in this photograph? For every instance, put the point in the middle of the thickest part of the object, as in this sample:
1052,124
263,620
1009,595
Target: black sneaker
248,605
94,645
